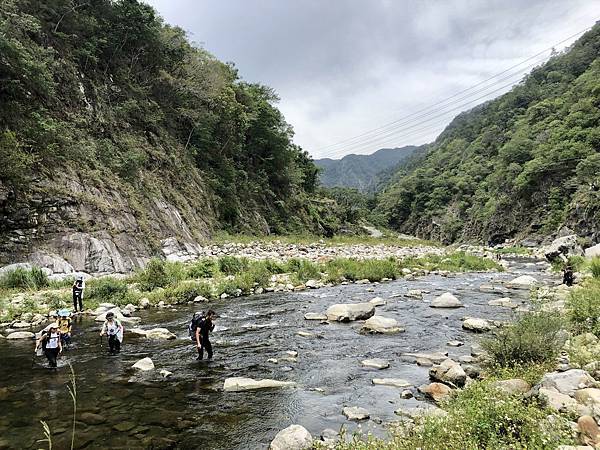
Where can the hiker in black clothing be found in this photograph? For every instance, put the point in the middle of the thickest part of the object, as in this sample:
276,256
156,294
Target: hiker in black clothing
78,287
205,326
568,276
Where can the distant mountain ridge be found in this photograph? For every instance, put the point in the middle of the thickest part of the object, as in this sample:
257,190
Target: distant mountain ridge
363,172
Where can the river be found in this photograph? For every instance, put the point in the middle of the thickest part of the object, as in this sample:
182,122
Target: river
190,408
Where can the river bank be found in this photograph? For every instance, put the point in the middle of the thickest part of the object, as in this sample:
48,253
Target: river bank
28,293
257,337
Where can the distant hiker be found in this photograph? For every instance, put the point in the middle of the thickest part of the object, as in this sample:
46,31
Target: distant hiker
197,317
78,287
568,276
113,328
50,344
64,326
205,326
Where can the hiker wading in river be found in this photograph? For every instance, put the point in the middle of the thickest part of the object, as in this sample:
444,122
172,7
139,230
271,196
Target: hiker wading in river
113,328
205,326
50,343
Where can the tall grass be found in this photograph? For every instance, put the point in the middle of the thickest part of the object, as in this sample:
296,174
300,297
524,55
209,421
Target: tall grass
595,267
583,307
27,279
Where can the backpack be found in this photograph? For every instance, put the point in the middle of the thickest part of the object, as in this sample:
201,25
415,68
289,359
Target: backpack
194,323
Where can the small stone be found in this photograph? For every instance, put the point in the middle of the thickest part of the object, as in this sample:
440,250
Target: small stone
455,343
446,300
315,316
294,437
124,426
424,362
476,325
292,353
305,334
406,394
165,373
272,360
377,301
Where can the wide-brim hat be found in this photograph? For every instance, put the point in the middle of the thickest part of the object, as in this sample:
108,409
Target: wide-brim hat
53,325
64,312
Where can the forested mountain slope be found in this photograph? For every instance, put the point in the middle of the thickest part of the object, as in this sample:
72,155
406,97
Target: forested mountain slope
116,134
363,172
524,164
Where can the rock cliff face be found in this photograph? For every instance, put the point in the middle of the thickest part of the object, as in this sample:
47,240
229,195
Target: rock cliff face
68,224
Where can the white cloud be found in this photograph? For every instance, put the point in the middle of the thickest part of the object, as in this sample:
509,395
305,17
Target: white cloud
344,67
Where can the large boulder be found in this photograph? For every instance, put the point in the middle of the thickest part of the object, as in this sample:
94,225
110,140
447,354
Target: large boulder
589,431
12,267
522,282
239,384
52,261
557,401
567,382
449,372
294,437
563,246
345,312
144,364
437,391
589,397
592,252
446,300
380,324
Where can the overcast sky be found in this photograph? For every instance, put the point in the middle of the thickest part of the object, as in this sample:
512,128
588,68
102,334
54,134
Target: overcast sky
345,67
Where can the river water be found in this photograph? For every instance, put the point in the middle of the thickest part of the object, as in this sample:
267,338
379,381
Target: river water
190,408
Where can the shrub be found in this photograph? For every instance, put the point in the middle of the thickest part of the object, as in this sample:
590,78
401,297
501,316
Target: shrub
455,262
595,266
160,273
230,265
203,268
479,417
533,338
107,289
21,278
583,306
304,270
187,291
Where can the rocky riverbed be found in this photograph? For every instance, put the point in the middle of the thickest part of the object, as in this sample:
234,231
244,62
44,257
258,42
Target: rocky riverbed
330,369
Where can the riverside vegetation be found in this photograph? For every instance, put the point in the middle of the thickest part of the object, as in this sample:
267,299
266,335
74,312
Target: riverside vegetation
29,290
482,415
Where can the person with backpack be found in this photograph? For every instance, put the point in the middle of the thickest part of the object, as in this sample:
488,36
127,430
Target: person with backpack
78,287
205,326
50,343
64,326
113,328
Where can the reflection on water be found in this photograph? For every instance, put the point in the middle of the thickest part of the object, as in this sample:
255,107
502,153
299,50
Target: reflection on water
118,408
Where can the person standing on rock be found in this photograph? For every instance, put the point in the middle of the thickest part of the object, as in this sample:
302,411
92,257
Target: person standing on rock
205,326
568,276
50,343
113,328
78,287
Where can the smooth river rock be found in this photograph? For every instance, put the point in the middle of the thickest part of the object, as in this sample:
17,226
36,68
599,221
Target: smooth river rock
154,333
505,302
522,282
355,413
394,382
315,316
21,335
376,363
345,312
144,364
239,384
476,325
446,300
377,301
436,391
294,437
448,371
380,324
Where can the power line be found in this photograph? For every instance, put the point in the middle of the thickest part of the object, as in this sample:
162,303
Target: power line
438,113
383,127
